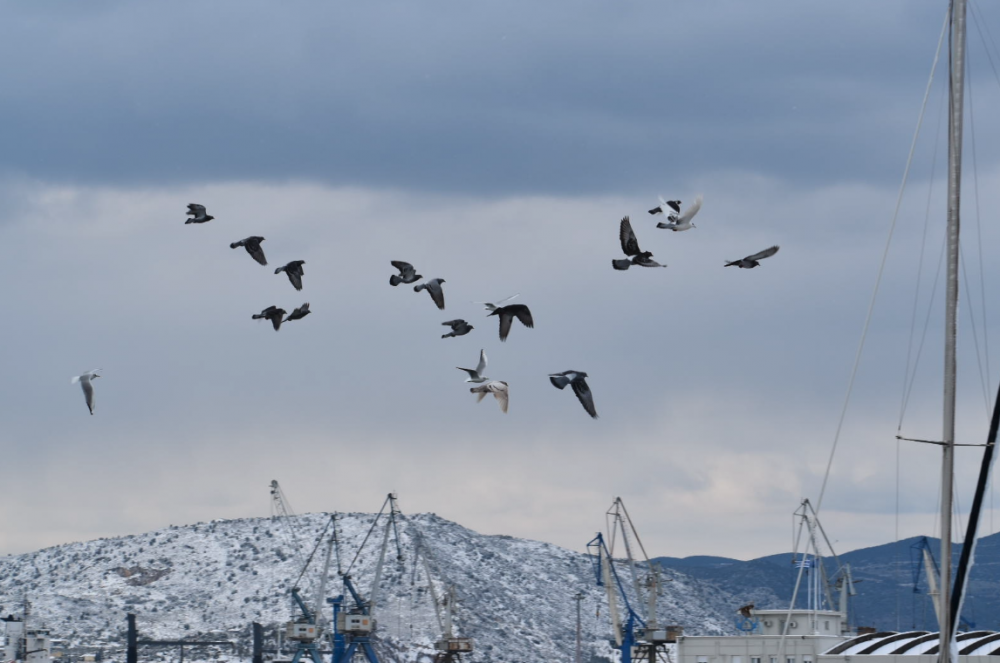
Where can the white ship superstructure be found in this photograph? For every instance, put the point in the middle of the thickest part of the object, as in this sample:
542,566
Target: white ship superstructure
25,645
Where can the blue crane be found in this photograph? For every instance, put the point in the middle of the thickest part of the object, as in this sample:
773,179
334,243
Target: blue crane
607,577
354,622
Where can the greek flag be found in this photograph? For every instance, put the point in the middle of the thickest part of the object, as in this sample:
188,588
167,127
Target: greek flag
804,564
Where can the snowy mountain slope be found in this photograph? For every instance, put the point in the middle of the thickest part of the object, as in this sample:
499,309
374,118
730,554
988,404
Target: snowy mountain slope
211,580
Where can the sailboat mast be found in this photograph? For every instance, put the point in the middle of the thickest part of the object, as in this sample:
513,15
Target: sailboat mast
955,110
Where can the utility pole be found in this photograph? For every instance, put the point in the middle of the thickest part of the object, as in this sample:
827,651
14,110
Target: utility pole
579,649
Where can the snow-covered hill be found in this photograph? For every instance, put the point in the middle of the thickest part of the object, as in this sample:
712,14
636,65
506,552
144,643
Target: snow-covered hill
211,580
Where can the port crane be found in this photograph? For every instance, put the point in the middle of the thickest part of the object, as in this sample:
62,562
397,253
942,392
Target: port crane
832,591
449,647
306,628
638,638
354,622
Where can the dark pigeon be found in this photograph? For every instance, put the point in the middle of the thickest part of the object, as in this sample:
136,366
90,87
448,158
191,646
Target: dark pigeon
433,288
252,245
272,313
197,214
299,313
576,380
458,328
407,274
294,271
507,315
752,261
630,245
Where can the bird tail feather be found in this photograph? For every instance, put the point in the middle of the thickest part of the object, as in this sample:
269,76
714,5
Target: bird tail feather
621,265
394,280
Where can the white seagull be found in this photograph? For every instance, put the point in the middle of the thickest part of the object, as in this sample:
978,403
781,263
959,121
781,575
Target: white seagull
492,306
683,220
498,388
476,375
88,389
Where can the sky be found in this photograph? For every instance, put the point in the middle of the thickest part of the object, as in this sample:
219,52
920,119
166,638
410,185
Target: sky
495,145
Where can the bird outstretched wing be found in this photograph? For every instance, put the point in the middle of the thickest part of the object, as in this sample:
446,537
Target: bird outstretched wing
630,245
404,267
253,248
437,294
690,211
523,314
766,253
499,389
582,391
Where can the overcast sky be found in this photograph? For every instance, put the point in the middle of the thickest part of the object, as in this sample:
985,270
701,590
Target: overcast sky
495,145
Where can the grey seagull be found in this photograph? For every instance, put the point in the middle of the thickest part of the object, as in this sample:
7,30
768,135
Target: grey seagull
476,374
88,388
496,387
491,306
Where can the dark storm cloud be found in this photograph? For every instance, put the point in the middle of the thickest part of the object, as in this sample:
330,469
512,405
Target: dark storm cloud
488,97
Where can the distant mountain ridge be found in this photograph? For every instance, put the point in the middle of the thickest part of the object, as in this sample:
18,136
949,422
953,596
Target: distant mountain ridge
883,578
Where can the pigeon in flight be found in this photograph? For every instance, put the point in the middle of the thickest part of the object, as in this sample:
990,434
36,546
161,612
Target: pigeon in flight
683,221
407,274
433,288
88,389
667,208
752,261
298,313
272,313
477,374
491,306
197,214
252,245
507,315
294,271
458,328
576,380
630,245
496,387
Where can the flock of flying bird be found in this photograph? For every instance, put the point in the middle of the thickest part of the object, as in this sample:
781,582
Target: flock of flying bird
676,221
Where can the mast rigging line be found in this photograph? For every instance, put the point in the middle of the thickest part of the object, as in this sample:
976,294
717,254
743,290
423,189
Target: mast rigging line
881,269
912,363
